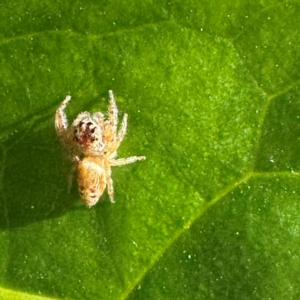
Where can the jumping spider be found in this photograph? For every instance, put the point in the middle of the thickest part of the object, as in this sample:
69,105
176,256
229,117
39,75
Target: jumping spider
93,142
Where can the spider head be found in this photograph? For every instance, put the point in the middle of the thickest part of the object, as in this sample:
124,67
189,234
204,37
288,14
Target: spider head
87,134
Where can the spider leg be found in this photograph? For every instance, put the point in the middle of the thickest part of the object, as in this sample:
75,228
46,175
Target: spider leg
126,161
61,121
120,136
110,185
71,175
122,131
65,132
113,112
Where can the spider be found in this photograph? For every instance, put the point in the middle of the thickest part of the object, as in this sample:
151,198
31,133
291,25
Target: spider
93,142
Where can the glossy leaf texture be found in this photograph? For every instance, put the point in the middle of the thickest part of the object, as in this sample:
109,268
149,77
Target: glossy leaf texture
212,93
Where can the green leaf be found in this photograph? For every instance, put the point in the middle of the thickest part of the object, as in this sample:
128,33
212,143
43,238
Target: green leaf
211,90
10,294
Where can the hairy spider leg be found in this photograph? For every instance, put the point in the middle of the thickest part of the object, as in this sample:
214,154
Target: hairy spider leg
110,183
61,121
113,112
126,161
120,136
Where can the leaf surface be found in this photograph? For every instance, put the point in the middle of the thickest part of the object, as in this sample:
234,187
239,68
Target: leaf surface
212,95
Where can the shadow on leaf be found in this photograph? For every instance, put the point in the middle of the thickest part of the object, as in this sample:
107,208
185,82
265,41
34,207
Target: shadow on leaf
35,176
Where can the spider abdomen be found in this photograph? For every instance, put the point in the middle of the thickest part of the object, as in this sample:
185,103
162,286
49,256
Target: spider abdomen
91,179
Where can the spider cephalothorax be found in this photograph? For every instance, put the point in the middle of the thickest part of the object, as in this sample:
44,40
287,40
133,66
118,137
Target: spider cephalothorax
88,133
93,143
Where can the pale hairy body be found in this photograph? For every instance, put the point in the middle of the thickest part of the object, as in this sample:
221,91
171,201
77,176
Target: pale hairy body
93,142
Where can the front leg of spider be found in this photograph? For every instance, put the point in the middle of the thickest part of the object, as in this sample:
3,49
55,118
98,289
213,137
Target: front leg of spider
64,131
61,121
